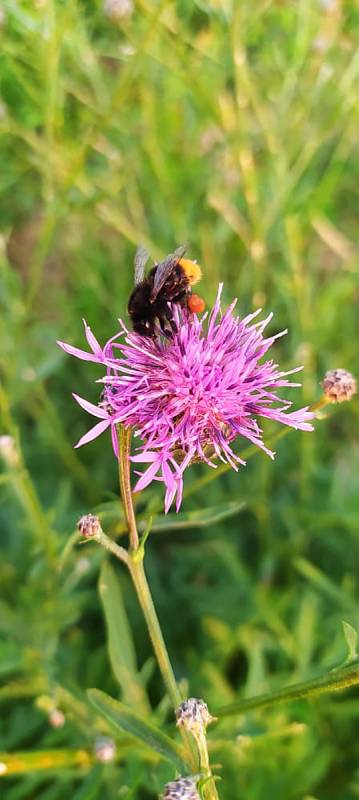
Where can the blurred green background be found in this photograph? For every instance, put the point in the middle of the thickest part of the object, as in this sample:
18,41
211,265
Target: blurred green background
231,126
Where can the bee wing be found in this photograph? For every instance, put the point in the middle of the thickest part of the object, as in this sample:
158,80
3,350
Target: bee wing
164,269
141,258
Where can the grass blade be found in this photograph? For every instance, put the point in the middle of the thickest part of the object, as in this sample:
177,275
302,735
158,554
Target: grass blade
120,642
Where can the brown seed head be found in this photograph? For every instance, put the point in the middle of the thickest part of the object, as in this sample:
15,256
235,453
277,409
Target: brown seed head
193,714
182,789
89,526
339,385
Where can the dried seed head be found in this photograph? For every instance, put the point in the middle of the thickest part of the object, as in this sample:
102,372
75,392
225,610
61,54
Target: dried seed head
339,385
182,789
193,714
105,749
89,526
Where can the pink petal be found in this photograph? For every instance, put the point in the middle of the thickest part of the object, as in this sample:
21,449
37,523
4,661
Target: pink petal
75,351
144,458
94,432
96,411
179,494
169,498
147,477
92,341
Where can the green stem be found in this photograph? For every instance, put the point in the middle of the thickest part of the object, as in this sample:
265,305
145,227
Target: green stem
101,538
135,564
134,561
138,575
209,790
124,441
334,681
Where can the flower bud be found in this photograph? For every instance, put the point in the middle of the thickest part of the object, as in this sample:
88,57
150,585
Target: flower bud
89,526
182,789
339,385
193,714
105,749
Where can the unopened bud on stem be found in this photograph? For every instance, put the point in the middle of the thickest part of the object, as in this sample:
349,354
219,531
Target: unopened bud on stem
89,526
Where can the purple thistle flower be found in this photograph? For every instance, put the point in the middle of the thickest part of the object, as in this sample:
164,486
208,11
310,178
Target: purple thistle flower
189,397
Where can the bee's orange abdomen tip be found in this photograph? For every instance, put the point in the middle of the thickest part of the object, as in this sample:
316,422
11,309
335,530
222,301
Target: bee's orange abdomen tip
196,304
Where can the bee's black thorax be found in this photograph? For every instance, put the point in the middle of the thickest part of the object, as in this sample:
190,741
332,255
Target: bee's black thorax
147,312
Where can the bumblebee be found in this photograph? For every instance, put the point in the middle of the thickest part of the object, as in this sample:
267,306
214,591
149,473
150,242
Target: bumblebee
169,281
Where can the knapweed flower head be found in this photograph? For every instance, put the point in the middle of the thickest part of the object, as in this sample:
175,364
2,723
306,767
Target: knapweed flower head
339,385
189,397
193,715
182,789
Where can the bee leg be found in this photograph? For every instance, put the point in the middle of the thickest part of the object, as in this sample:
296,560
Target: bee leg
167,312
163,322
173,325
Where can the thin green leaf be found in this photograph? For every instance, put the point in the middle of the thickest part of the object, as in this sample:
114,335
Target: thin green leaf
334,681
123,719
200,518
120,643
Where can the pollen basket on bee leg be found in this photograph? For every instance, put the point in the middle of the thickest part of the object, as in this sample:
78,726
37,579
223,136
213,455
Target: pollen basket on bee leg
195,304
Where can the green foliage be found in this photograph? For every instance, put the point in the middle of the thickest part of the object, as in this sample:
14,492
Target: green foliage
121,717
121,648
230,125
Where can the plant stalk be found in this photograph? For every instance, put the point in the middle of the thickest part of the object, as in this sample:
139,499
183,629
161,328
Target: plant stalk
124,441
209,789
134,561
139,579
